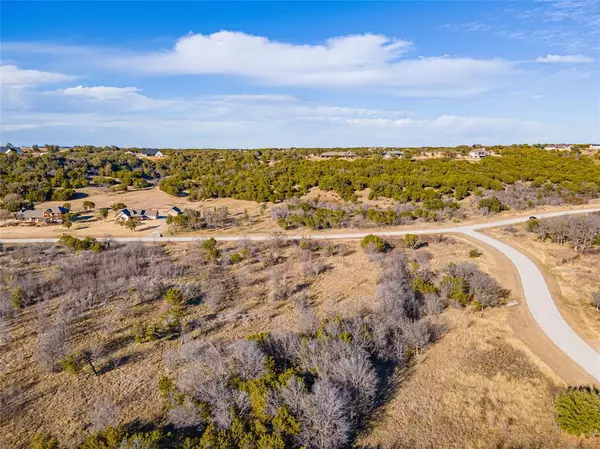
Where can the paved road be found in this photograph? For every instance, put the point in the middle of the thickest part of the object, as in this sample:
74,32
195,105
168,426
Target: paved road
537,295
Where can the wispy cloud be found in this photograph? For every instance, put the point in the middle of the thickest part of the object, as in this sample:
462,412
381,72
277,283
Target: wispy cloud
14,77
565,59
467,26
251,121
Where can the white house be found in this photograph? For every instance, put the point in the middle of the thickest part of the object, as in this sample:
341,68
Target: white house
173,212
594,146
9,149
142,214
478,154
393,154
558,147
152,152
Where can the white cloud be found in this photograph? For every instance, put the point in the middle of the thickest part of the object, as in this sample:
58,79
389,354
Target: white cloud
346,61
570,59
242,121
14,77
101,92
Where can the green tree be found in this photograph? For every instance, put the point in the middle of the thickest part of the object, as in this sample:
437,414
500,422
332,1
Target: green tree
118,206
132,223
88,205
578,411
103,213
373,241
412,241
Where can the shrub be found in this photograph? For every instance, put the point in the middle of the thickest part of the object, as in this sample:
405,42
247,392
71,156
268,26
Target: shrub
374,241
578,411
41,441
210,248
63,194
71,365
492,205
473,254
411,241
118,206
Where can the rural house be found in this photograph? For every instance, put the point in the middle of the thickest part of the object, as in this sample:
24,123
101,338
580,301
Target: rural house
173,212
50,215
9,149
142,214
152,152
558,147
479,153
393,154
330,154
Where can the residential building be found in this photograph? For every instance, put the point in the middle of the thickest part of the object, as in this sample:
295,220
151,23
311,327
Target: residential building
152,152
558,147
594,146
50,215
330,154
393,154
142,214
173,212
9,149
479,153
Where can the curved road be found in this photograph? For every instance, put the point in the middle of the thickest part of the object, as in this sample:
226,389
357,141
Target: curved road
537,295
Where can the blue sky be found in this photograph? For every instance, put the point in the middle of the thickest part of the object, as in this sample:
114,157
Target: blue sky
276,74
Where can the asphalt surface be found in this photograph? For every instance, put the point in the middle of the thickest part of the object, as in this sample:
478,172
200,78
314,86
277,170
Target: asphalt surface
537,294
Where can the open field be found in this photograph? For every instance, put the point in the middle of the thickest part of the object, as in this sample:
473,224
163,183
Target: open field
572,277
88,224
485,374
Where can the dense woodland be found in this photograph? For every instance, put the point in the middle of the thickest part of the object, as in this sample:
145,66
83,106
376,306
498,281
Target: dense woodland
540,177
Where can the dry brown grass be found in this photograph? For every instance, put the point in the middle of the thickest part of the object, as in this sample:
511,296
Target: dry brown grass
572,278
477,387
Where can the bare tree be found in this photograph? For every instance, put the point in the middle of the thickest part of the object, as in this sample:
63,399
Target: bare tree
596,299
104,413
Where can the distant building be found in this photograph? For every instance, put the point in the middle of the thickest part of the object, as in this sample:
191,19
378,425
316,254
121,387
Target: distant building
142,214
9,149
393,154
50,215
330,154
594,146
152,152
173,212
558,147
478,154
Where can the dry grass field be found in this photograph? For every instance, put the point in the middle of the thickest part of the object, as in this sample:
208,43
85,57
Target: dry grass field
571,276
477,387
88,224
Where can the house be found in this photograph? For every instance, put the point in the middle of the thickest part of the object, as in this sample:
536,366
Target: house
9,149
152,214
142,214
558,147
393,154
594,146
50,215
152,152
330,154
479,153
173,212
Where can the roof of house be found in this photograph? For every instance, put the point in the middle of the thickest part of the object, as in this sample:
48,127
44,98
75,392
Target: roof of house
150,151
394,152
6,150
558,145
338,153
36,213
175,209
57,210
